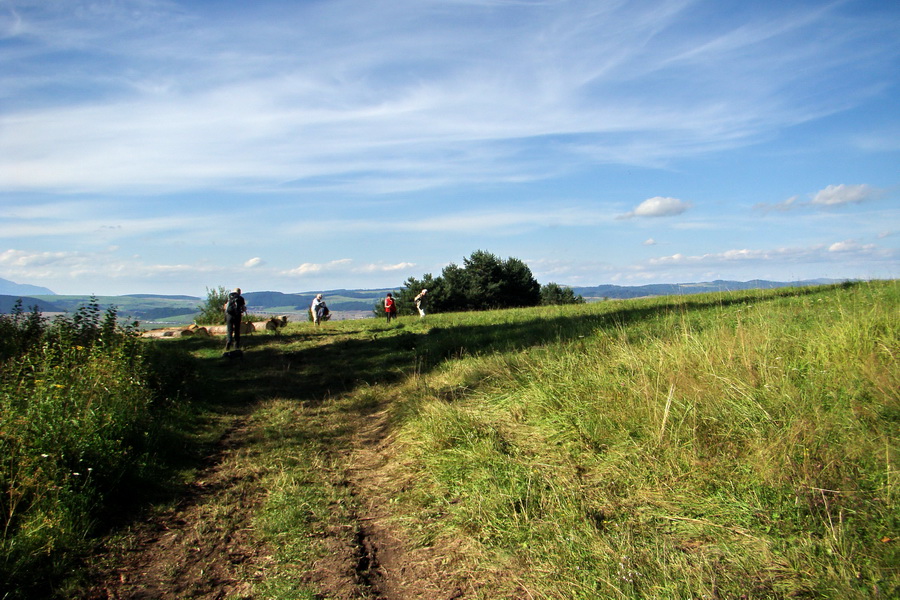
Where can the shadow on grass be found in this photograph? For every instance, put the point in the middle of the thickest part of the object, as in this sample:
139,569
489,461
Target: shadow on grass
308,368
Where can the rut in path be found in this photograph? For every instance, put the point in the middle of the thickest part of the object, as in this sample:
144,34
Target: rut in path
388,566
203,547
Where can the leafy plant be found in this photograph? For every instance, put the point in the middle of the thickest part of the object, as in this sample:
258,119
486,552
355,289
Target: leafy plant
212,312
77,412
484,282
555,294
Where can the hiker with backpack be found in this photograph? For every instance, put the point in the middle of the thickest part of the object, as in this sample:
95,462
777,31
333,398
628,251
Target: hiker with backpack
234,311
390,307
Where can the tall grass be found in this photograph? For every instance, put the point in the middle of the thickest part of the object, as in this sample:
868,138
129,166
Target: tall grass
79,403
732,445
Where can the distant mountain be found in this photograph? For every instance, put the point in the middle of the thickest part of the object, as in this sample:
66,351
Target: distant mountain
8,304
182,309
11,288
278,300
674,289
162,297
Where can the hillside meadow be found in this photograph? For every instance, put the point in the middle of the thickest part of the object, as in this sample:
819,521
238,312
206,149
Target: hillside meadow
727,445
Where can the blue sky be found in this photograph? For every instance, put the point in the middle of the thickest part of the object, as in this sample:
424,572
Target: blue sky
173,146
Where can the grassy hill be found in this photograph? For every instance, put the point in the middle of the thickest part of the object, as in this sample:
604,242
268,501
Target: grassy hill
726,445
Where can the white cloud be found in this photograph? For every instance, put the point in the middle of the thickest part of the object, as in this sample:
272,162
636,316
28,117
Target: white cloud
382,268
84,270
783,206
254,262
505,221
851,246
832,195
649,242
843,194
658,207
22,259
812,254
316,268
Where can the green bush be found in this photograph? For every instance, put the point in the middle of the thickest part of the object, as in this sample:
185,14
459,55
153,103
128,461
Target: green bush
78,405
212,312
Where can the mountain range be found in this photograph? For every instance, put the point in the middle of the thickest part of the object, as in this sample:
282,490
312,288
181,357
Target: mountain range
178,309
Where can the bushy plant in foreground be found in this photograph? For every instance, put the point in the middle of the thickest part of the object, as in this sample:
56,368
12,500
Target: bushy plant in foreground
76,413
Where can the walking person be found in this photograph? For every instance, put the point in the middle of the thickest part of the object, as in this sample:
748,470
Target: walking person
420,303
235,307
390,307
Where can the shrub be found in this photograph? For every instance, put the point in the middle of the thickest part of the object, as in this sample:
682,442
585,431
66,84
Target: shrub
77,412
212,312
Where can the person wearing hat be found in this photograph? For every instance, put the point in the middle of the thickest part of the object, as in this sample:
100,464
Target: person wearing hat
234,311
318,309
420,303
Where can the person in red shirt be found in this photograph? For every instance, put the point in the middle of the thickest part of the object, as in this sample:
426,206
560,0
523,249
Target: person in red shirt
390,307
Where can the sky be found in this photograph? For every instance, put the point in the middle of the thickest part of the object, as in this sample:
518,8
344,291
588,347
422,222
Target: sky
175,146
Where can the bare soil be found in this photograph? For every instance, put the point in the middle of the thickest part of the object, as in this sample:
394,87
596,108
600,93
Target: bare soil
204,546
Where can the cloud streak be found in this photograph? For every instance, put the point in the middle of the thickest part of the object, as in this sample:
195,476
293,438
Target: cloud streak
832,195
231,110
279,144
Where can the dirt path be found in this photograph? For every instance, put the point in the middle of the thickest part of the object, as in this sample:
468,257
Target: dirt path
204,546
391,568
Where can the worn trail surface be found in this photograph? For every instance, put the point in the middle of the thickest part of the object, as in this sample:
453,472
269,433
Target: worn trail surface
204,544
201,547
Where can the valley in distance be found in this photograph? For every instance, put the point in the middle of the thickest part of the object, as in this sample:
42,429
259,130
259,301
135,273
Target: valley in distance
154,310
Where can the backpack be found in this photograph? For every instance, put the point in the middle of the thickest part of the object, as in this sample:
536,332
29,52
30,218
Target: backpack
232,307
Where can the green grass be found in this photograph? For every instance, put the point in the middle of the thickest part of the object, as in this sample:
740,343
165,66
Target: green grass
735,445
725,445
731,445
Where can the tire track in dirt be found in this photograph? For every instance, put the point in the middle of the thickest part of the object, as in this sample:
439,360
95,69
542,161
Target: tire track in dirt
390,565
205,547
201,548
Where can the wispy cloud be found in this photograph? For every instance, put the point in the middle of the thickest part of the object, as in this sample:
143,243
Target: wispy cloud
821,252
832,195
316,268
253,143
843,194
254,262
200,101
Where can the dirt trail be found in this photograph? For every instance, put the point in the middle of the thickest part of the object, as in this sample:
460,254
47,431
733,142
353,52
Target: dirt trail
204,547
393,570
201,548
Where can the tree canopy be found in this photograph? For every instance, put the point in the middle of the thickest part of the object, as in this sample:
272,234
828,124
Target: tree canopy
553,293
483,282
